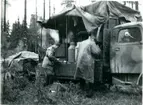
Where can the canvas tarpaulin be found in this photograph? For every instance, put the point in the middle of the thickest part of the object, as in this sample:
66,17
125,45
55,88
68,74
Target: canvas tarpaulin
22,56
57,20
95,14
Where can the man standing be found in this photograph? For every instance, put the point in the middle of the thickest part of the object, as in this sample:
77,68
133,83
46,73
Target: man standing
88,50
49,63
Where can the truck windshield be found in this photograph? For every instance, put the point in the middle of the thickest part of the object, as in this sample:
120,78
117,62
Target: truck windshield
128,35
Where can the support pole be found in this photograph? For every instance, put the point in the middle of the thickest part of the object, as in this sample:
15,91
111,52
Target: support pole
41,37
36,48
44,10
4,15
67,39
36,9
136,5
49,8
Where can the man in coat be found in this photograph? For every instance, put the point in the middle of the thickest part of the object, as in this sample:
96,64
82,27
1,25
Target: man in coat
87,52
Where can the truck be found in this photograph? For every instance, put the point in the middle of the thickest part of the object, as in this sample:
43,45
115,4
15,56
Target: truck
119,36
121,60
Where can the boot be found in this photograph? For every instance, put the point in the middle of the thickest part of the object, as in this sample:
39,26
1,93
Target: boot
49,80
89,92
46,81
82,84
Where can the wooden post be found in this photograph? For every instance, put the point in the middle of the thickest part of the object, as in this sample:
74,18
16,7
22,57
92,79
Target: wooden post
136,5
53,9
49,8
4,15
4,41
66,50
36,41
44,10
36,9
132,4
124,2
25,13
43,20
25,23
41,37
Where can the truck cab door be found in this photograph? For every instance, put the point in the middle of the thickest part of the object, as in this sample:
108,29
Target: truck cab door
126,50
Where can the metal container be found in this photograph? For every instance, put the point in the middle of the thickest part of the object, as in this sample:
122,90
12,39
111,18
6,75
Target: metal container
71,53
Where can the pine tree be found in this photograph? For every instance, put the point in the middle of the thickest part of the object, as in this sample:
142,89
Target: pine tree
16,34
7,31
5,35
4,38
33,34
67,3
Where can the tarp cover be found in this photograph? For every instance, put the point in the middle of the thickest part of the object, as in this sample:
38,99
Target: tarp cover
95,14
22,56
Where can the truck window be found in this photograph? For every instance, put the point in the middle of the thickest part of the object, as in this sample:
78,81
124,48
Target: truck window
128,35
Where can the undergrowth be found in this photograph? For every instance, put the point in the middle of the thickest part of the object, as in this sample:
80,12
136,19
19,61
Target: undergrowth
21,91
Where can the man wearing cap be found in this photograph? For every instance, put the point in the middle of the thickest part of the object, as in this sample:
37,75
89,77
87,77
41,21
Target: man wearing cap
49,63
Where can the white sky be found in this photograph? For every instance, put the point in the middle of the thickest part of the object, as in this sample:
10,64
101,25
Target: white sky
16,8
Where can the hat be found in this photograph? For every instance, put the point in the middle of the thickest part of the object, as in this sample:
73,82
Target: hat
57,44
54,46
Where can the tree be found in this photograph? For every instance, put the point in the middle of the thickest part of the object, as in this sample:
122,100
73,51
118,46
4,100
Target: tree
4,34
16,34
67,3
33,34
4,38
4,5
4,25
7,31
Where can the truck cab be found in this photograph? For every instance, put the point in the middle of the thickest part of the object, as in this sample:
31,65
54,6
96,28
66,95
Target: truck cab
126,52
